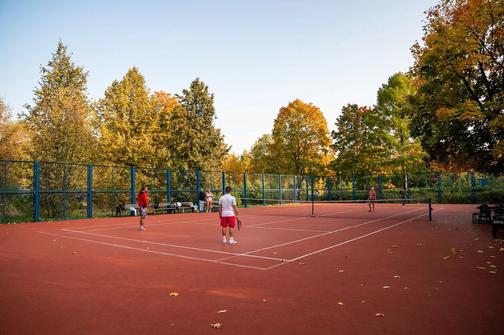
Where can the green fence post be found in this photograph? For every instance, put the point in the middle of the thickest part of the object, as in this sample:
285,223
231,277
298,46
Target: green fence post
223,176
329,187
168,186
198,185
439,188
132,184
280,188
295,190
472,181
263,190
36,191
353,187
380,187
245,189
89,205
307,188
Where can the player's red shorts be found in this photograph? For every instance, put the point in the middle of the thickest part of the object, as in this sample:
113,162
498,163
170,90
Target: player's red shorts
228,221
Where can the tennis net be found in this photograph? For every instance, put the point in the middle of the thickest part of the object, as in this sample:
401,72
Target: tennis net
337,208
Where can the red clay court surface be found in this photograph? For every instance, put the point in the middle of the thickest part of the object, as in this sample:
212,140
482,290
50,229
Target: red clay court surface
345,271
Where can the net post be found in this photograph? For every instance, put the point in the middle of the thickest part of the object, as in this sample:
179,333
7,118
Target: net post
280,188
295,193
430,209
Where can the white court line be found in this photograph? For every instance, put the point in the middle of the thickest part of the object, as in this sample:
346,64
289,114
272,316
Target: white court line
327,233
156,252
171,245
348,241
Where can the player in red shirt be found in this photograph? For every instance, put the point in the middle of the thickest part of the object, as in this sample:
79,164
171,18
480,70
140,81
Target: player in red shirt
143,202
371,198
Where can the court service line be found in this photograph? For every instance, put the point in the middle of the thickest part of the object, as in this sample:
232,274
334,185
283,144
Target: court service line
348,241
327,233
156,252
171,245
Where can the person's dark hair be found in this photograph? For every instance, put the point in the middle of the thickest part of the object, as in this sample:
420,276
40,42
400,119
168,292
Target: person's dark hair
228,189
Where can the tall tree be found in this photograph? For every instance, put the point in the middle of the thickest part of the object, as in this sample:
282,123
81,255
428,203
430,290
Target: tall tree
360,141
196,142
60,119
127,122
301,142
459,115
395,109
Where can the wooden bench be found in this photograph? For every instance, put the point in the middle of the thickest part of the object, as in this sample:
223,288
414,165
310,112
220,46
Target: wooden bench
163,207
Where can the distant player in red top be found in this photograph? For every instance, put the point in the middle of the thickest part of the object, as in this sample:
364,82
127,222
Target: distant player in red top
371,198
143,202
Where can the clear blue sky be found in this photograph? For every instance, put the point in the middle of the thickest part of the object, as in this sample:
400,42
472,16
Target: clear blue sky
255,56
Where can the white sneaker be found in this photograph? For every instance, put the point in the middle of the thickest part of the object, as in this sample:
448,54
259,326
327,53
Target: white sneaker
142,228
232,242
224,240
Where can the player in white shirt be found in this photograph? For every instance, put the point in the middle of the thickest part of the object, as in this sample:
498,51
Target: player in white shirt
228,214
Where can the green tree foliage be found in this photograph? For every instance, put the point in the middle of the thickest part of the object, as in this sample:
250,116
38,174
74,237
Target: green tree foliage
360,141
163,106
15,142
459,68
60,119
196,143
127,122
301,142
262,160
394,108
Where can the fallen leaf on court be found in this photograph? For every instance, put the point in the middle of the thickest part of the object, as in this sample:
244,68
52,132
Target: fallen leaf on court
341,271
216,325
54,240
394,246
75,253
461,256
173,294
481,268
488,262
476,238
492,256
172,324
419,243
147,248
405,288
222,311
302,263
340,303
501,249
397,276
446,257
386,286
379,315
274,252
363,301
264,300
491,247
440,281
480,251
493,266
493,271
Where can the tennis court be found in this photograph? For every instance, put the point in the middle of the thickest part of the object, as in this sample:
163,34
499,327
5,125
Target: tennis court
346,270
